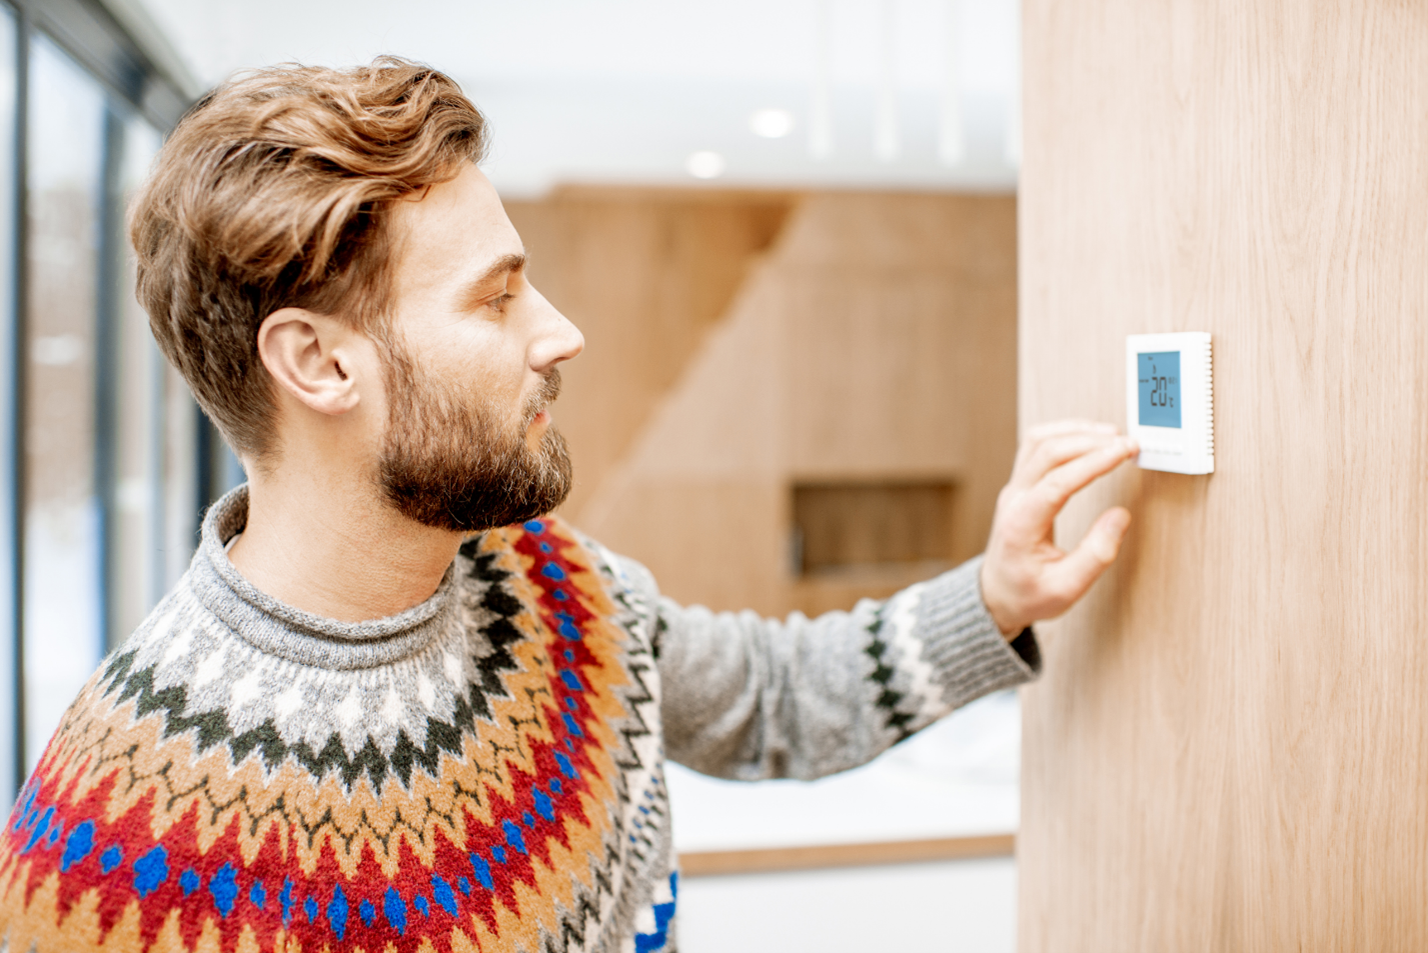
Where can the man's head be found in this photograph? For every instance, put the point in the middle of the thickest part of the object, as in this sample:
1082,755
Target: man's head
468,368
312,240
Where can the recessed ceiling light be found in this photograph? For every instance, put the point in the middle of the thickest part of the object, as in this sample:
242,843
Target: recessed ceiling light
771,123
705,164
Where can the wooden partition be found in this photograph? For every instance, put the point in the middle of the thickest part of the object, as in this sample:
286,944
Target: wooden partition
1229,748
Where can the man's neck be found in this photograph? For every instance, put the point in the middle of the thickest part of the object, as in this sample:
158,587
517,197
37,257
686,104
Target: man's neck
338,551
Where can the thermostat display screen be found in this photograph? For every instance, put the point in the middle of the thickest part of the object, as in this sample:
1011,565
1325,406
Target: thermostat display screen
1170,400
1158,378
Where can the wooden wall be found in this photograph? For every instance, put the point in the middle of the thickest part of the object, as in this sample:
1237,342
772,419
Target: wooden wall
1227,750
857,337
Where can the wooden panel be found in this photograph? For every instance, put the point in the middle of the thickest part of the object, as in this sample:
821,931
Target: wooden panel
875,342
1226,750
712,863
902,335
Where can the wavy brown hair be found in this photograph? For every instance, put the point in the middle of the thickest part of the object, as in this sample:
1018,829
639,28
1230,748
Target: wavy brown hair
274,191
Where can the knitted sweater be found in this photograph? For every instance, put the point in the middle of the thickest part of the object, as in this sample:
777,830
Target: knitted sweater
483,771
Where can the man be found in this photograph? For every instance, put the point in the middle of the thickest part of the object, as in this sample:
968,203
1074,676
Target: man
393,704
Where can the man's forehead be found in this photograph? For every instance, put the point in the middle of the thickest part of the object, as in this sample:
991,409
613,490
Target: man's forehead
457,229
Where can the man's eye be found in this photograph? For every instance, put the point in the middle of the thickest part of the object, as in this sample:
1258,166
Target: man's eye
499,303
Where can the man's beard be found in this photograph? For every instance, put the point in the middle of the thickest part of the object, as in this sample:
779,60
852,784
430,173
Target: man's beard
453,466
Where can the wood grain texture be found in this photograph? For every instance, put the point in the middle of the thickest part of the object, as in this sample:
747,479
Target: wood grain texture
1227,749
713,863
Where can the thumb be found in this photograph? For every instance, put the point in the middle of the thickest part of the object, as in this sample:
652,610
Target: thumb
1074,573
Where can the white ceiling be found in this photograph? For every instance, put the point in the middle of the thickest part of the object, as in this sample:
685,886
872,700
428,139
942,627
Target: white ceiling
627,90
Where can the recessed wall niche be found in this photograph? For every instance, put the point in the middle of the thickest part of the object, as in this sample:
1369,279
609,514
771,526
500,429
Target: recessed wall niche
864,527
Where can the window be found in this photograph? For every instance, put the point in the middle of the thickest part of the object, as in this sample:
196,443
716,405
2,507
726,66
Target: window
62,630
101,481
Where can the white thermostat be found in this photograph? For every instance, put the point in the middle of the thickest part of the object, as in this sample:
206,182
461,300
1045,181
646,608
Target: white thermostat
1170,403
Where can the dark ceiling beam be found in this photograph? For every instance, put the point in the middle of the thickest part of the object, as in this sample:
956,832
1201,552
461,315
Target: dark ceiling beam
89,32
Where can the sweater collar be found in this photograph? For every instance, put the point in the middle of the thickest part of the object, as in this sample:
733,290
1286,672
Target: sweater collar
280,629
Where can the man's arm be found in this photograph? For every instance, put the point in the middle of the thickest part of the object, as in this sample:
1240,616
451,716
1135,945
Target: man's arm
747,697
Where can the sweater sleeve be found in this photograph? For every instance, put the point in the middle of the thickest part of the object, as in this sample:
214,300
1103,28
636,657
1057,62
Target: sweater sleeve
748,698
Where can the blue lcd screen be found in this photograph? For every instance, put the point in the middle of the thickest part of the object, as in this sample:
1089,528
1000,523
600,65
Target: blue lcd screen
1159,383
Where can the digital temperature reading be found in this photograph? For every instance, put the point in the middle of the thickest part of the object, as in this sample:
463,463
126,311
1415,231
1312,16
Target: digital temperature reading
1170,401
1158,380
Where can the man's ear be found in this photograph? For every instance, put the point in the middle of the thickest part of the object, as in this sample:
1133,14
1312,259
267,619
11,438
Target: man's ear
312,357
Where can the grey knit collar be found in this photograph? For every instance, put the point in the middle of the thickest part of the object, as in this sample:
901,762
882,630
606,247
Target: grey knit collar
279,629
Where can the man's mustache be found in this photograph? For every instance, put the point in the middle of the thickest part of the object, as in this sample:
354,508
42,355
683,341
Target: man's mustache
547,393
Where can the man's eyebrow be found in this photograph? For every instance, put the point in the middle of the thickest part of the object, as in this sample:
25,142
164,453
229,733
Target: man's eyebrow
501,266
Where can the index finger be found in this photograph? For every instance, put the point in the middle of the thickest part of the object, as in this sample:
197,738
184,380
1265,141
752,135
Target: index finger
1053,491
1069,425
1039,458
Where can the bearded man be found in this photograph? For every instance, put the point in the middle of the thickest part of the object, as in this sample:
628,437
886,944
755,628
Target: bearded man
394,704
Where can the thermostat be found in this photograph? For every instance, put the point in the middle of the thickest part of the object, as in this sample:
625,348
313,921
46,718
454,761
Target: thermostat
1170,405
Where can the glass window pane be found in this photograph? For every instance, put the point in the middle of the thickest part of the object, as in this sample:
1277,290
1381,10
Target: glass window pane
137,573
63,632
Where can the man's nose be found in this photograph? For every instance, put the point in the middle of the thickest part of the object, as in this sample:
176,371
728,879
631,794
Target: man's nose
559,340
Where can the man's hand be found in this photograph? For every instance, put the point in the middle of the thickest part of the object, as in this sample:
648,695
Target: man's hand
1025,577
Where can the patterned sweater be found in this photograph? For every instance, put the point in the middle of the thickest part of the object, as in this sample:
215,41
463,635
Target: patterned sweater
483,771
